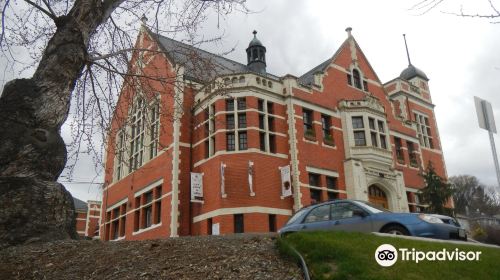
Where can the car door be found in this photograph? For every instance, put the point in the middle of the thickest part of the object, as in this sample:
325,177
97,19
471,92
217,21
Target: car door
345,217
317,219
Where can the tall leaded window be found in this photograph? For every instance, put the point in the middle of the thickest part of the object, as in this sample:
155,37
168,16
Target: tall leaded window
242,105
229,104
267,136
357,78
424,130
412,154
243,141
120,155
307,117
242,120
326,123
154,128
230,142
359,131
381,130
377,133
260,105
236,122
230,121
137,136
399,150
262,141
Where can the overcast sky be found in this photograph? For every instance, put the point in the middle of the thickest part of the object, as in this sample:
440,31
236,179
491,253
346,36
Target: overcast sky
460,56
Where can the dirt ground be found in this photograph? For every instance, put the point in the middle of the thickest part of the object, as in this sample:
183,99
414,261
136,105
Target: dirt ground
211,257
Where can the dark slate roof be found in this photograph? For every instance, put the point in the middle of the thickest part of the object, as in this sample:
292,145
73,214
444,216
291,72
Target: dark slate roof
308,78
412,72
79,205
201,65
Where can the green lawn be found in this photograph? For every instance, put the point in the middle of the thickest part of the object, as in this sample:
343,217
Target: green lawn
342,255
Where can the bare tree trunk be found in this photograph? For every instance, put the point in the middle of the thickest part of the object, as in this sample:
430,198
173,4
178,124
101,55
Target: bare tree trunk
32,152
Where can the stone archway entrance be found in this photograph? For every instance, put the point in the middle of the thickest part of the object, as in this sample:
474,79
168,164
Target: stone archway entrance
377,196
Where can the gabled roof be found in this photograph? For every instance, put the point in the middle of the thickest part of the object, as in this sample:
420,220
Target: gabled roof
79,205
308,78
199,64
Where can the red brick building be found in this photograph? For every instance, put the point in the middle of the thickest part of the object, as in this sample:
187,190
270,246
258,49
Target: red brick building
87,217
337,130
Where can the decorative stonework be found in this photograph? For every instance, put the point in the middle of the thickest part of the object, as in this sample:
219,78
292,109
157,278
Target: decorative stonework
370,103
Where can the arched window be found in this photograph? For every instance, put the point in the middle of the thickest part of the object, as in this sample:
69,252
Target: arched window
357,79
254,54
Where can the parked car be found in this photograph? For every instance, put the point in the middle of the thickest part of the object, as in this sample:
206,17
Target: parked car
362,216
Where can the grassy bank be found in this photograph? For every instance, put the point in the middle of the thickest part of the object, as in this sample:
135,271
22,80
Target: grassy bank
341,255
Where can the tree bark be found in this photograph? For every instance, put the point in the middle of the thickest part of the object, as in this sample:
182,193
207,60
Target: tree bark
32,152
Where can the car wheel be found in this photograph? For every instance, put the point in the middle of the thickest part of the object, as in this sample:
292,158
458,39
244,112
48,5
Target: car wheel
395,229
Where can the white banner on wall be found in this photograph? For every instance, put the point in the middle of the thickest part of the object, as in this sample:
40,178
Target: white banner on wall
216,229
222,183
196,185
286,181
250,177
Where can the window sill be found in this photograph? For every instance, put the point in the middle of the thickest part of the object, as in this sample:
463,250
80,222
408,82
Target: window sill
329,142
310,141
333,147
146,229
310,137
118,239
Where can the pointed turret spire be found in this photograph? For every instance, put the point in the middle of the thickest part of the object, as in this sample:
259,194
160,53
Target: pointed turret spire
411,71
407,52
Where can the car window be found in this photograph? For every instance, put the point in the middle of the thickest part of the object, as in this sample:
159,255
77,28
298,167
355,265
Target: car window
343,210
372,207
297,215
320,213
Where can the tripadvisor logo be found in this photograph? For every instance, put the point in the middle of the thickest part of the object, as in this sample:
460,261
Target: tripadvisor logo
387,255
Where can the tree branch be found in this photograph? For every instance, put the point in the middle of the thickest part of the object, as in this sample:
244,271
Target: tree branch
3,21
41,9
120,52
49,7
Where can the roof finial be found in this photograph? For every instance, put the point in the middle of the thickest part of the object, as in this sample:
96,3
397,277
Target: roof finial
407,52
144,19
255,33
348,30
